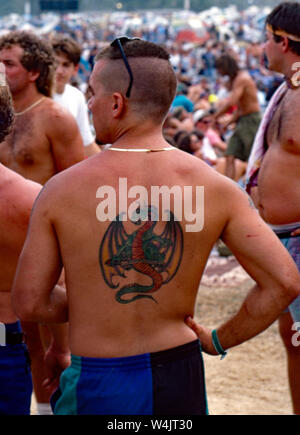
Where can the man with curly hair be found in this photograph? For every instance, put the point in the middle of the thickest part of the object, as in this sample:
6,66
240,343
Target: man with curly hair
6,107
45,139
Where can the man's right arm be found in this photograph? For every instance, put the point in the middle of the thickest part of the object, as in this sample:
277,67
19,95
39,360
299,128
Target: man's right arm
265,259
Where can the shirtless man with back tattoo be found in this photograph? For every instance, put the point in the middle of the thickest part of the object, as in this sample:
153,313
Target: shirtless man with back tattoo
133,265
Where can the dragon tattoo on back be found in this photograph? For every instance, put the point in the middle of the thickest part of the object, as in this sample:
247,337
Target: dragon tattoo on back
157,256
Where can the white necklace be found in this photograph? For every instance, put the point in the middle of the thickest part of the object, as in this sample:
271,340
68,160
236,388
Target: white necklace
30,107
141,150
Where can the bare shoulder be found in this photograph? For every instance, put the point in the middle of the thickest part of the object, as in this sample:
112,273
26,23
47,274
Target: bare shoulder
18,195
56,116
243,78
198,172
289,122
68,181
293,98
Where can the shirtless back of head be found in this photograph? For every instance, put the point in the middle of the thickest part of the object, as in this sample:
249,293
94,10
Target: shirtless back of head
132,228
45,138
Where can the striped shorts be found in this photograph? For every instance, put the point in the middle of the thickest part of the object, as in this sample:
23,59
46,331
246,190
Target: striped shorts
292,244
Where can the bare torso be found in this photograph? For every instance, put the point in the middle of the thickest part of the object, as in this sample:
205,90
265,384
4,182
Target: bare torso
94,303
44,141
16,199
279,176
32,149
248,101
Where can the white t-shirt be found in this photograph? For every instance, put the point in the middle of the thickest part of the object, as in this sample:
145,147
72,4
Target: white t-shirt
208,150
73,100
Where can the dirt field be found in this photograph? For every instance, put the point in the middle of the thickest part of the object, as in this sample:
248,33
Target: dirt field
252,379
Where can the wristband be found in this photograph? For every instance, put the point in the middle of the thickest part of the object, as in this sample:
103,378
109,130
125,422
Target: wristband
217,344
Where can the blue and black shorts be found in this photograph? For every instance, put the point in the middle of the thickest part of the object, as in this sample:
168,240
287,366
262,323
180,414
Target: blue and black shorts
169,382
15,374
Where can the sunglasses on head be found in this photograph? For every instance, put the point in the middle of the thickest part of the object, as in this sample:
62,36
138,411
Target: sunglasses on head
119,43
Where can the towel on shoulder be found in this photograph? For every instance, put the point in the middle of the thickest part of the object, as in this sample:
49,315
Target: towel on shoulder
259,147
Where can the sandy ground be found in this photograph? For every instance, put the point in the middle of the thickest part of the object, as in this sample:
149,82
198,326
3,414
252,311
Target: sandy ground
252,379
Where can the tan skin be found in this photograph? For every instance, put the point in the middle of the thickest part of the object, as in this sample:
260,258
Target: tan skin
281,164
99,325
277,195
17,196
16,193
243,94
44,141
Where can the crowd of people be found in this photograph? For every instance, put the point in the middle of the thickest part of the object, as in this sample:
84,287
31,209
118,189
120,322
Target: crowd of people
100,296
202,87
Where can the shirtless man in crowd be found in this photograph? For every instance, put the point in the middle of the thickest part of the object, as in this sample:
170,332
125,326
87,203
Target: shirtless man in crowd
16,201
274,164
133,265
45,138
242,96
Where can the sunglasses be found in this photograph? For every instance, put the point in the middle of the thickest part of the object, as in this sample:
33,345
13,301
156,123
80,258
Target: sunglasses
119,43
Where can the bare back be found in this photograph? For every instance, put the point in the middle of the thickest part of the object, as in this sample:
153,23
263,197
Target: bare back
44,141
16,199
130,285
280,170
247,91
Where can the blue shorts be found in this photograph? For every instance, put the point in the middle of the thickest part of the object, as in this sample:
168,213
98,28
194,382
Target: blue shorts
159,383
15,376
292,244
